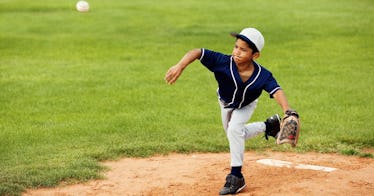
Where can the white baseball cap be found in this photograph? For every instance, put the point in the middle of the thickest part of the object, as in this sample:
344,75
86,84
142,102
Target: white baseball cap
251,36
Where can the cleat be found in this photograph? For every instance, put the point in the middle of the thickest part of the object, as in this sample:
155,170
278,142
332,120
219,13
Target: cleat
233,185
272,126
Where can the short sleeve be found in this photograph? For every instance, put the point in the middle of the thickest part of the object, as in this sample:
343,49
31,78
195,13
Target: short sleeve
271,86
213,60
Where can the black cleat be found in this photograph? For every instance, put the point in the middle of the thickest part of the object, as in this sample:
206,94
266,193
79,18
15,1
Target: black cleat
233,185
272,126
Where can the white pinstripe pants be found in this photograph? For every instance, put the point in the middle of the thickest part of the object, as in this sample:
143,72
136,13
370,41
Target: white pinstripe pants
237,131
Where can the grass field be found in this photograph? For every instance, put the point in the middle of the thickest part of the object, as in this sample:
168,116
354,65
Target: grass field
76,89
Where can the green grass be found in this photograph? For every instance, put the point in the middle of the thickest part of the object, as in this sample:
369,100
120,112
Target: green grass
77,88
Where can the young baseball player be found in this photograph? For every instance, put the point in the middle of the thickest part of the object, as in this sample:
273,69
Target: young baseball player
241,81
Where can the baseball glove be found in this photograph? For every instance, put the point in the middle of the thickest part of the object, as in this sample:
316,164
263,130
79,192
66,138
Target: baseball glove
289,129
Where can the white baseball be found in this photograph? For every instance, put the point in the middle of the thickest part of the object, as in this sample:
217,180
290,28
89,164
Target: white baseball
83,6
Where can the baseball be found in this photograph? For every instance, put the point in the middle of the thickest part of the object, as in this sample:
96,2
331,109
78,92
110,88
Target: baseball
83,6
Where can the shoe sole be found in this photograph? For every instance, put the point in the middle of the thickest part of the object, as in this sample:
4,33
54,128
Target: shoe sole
241,188
279,122
278,118
237,191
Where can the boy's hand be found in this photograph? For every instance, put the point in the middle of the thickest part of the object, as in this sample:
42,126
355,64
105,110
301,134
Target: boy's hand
291,112
173,74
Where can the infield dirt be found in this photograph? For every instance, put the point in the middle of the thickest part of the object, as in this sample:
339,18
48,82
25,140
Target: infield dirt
204,174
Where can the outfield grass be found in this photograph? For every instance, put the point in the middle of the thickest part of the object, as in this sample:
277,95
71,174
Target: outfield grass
77,88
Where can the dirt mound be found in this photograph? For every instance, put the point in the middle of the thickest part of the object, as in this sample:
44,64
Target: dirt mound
204,174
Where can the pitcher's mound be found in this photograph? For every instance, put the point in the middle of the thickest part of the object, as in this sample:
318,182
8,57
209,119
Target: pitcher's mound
204,174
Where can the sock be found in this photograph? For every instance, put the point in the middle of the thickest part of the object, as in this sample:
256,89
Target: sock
237,171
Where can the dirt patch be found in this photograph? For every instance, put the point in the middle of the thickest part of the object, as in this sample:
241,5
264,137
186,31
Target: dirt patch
204,174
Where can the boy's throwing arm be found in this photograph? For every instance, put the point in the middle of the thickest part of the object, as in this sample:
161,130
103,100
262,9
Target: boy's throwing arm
175,71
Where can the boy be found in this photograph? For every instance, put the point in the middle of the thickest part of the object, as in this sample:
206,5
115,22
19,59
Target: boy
240,82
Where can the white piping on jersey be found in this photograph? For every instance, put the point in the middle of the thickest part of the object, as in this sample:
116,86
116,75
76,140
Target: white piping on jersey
236,85
254,80
233,78
273,91
202,53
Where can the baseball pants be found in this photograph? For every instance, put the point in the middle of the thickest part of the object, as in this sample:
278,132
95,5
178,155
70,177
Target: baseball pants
237,131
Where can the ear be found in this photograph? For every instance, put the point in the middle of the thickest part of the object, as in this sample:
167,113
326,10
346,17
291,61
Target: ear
256,55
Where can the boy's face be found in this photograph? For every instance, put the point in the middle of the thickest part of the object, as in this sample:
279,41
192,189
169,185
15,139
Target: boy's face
242,53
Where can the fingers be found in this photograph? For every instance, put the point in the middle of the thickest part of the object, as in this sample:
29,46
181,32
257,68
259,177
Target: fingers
169,76
172,75
291,112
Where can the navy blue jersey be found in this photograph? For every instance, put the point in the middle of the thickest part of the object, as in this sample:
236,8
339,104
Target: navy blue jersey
231,89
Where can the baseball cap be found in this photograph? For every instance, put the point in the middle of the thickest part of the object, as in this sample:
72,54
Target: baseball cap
252,36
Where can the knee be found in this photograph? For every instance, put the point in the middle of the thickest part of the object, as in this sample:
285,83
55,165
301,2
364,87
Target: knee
235,131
